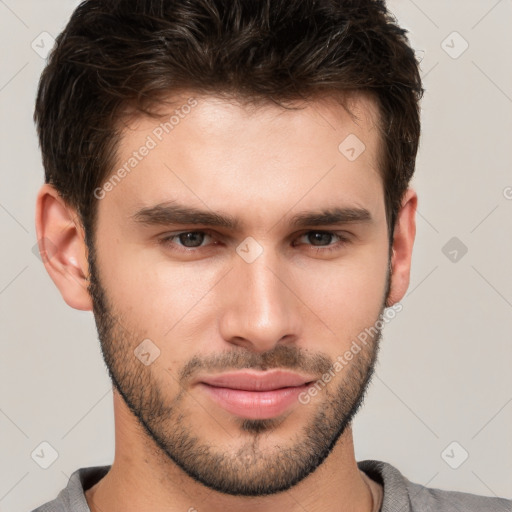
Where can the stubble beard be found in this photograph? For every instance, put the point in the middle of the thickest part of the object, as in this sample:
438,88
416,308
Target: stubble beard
252,469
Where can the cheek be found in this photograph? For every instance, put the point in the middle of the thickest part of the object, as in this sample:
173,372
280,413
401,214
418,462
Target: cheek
347,296
155,296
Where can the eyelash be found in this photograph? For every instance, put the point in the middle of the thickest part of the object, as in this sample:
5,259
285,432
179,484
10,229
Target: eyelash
167,241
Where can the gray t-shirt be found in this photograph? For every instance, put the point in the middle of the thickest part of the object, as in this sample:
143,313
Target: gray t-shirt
400,495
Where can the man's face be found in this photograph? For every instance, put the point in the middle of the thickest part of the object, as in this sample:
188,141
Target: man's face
214,333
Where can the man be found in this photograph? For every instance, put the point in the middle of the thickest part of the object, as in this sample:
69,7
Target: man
227,190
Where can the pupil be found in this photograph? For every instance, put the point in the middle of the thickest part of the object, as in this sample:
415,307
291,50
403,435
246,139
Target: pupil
320,237
195,239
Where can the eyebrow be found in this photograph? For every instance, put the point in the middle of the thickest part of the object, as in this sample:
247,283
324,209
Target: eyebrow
173,213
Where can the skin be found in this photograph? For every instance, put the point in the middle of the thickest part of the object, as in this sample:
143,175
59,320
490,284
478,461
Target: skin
260,165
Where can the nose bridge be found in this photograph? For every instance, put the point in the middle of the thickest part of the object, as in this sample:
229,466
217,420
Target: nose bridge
261,310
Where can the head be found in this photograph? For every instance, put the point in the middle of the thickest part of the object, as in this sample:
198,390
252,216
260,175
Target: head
227,190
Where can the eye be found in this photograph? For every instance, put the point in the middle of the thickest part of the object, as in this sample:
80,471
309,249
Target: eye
321,240
186,239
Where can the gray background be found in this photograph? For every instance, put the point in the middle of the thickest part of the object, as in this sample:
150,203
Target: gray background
444,372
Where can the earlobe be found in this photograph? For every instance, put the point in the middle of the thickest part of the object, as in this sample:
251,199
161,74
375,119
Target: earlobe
62,247
403,242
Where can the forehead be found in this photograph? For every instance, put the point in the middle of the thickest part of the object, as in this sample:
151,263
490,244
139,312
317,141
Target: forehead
218,153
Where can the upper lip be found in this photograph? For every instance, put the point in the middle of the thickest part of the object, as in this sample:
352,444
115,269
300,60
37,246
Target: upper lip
257,380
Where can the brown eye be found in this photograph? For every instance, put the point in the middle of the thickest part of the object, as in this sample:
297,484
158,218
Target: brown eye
185,240
191,238
319,238
323,241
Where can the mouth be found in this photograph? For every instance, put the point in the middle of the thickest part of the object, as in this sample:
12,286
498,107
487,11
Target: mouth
256,394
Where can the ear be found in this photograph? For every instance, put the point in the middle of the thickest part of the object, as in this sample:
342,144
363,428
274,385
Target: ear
403,241
61,241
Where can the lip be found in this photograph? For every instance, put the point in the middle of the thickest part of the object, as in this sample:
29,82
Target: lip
255,395
257,380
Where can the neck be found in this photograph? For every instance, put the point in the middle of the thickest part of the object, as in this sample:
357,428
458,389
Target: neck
143,479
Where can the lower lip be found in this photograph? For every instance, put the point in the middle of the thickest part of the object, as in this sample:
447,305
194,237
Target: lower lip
255,405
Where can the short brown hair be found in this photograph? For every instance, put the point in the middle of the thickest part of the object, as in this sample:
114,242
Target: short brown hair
118,53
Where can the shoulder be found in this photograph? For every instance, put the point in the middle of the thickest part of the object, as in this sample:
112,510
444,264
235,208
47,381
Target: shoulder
406,496
72,497
427,499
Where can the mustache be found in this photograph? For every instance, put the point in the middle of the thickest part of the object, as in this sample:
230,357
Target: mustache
281,356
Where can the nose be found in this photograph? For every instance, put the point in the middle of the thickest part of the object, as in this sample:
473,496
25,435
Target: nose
260,309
